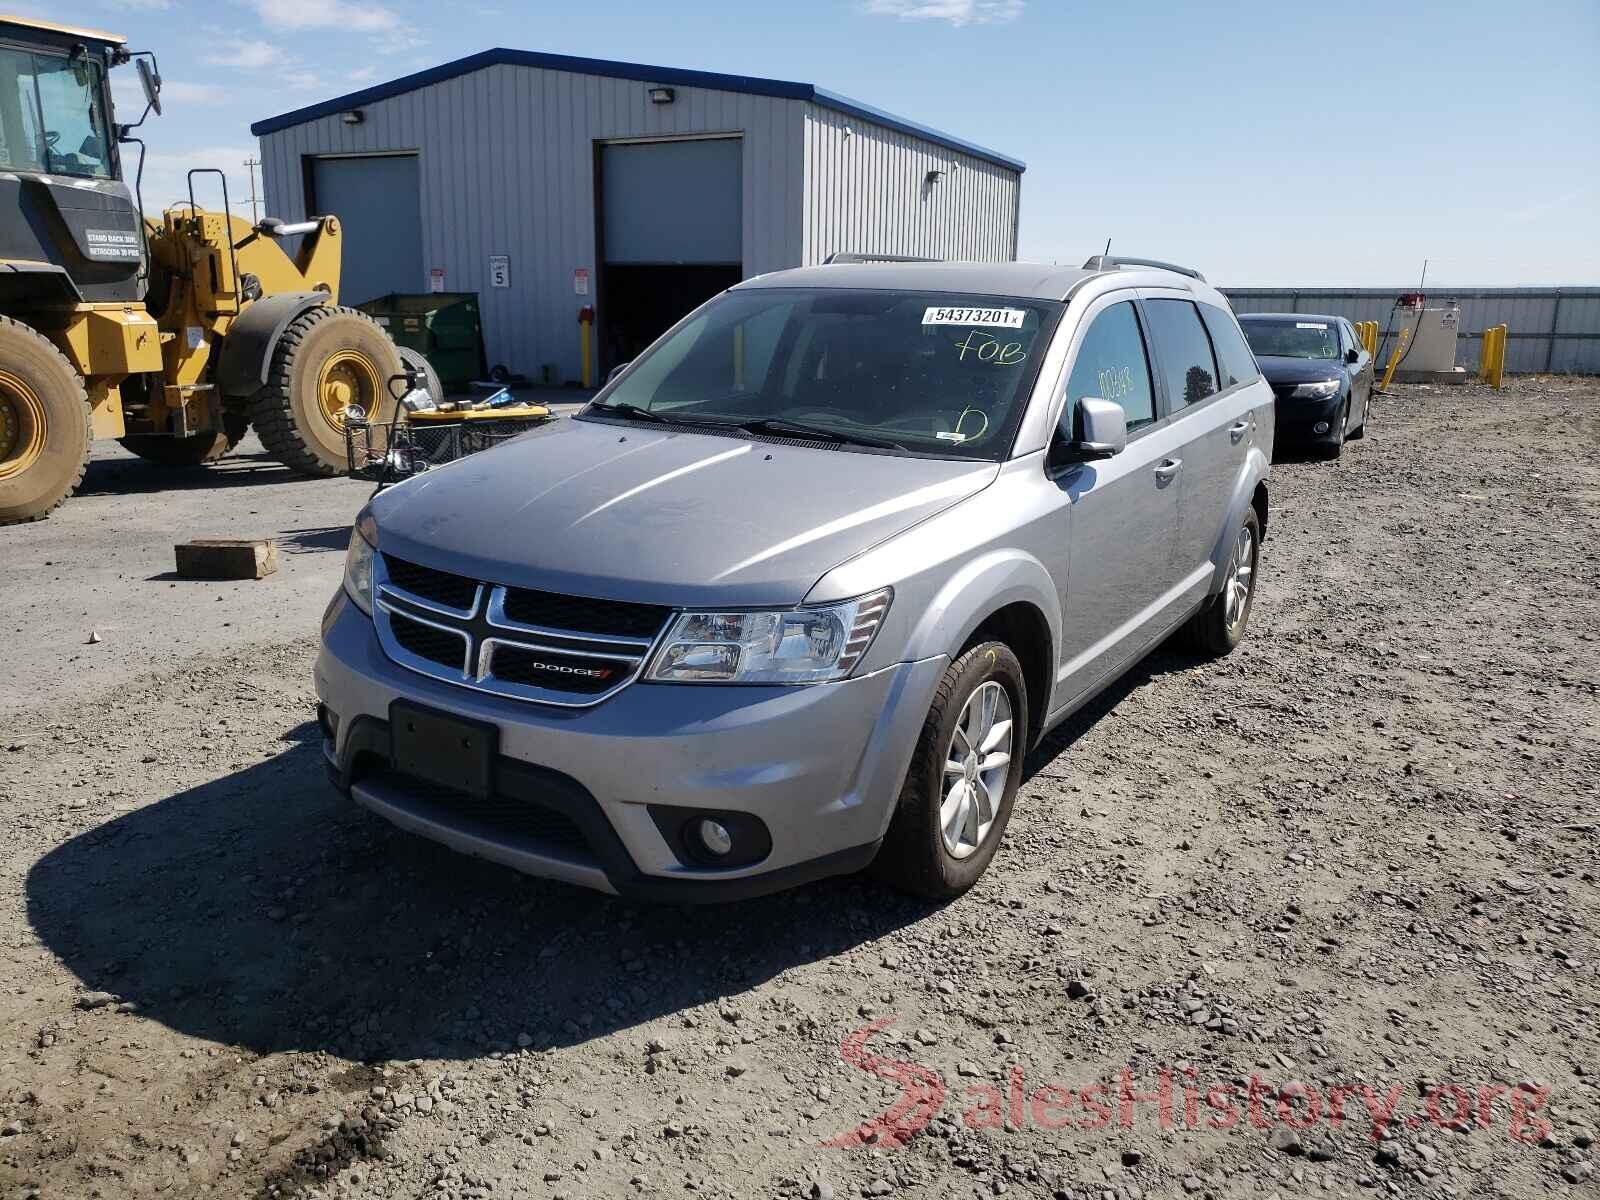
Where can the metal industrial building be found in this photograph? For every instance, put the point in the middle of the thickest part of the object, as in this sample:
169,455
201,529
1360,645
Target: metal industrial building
546,183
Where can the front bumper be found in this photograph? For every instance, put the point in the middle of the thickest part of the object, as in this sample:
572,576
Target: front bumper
821,767
1298,419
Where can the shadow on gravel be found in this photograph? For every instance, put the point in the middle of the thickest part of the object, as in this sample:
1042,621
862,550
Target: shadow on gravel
1060,739
263,910
135,477
329,537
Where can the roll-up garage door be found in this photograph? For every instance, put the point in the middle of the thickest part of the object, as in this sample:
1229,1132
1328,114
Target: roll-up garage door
673,202
378,202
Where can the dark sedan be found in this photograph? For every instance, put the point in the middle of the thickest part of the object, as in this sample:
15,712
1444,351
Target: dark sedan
1320,373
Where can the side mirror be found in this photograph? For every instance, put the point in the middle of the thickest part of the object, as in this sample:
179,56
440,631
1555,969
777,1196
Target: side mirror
617,370
1352,355
150,82
1101,430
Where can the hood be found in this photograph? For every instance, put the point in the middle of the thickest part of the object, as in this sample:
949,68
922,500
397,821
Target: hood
625,512
1299,370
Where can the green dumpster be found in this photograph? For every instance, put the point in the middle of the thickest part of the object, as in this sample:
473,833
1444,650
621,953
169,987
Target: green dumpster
443,327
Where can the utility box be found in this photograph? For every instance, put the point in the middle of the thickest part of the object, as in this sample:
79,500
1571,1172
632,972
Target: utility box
1431,351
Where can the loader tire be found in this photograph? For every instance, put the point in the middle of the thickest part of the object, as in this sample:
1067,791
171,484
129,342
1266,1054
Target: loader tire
327,359
196,450
45,425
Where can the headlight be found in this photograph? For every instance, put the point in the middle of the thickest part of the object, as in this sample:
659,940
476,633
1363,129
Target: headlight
358,561
1317,391
801,645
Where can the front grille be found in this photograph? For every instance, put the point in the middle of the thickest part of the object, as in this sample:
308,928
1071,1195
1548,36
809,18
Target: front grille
520,642
543,669
501,814
612,618
425,641
440,587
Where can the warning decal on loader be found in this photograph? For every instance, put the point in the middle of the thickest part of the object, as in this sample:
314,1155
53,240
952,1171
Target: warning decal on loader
112,243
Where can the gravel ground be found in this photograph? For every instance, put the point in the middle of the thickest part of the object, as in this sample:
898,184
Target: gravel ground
1355,862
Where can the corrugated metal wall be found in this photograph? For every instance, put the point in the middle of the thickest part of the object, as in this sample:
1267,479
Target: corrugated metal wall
866,191
506,162
1531,316
507,167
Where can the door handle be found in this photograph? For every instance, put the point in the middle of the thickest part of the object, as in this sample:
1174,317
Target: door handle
1238,429
1169,468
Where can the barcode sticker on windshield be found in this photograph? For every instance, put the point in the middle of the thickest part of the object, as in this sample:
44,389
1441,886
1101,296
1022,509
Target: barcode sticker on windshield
1002,318
1308,325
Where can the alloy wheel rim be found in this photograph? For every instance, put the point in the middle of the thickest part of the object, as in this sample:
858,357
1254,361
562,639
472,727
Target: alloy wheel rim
976,764
1240,578
347,377
22,426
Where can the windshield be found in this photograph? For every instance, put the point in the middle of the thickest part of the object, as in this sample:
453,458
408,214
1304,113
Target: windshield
1291,339
52,115
927,372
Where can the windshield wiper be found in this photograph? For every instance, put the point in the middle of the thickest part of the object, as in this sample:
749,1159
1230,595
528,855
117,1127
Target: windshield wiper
631,411
780,427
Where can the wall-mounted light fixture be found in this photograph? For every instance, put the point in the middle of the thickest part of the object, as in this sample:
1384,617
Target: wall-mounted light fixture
933,177
662,95
353,117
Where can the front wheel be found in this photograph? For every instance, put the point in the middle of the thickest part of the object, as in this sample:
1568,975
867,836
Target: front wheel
1360,431
963,778
1334,447
328,361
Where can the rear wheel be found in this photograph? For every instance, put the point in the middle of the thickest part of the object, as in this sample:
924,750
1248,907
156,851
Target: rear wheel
328,360
193,451
1218,627
45,425
963,778
426,375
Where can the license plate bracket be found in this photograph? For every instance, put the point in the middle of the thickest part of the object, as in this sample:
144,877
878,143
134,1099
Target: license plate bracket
442,748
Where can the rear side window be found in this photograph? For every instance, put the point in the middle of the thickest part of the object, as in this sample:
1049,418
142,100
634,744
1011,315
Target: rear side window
1113,365
1235,363
1183,351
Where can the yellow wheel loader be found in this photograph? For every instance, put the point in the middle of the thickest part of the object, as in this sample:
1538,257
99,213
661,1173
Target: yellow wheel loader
173,336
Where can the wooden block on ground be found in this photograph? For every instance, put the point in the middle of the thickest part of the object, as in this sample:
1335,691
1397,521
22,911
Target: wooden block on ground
226,558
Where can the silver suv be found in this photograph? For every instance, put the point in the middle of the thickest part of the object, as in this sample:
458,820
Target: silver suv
802,585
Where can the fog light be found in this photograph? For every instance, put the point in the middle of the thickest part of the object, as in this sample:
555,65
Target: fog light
1320,427
714,836
328,720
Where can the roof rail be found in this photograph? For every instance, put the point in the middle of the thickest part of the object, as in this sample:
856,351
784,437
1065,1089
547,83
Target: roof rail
1107,262
847,256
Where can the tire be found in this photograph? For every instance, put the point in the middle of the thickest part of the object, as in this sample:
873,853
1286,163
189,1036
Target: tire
915,856
425,372
1360,431
45,425
1210,630
195,450
1334,448
326,343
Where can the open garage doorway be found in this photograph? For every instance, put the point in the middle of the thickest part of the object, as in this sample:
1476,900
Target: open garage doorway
670,234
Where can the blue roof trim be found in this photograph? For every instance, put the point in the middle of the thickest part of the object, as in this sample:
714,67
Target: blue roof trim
750,84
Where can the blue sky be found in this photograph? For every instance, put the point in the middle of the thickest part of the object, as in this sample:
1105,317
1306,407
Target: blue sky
1265,143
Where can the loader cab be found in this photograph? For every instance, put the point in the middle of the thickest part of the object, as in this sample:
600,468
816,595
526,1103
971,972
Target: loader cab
69,225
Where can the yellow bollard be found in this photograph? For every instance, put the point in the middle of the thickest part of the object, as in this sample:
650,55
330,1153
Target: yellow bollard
585,324
1495,356
1395,356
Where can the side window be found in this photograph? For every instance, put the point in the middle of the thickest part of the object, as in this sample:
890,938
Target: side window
1183,351
1235,363
1113,364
